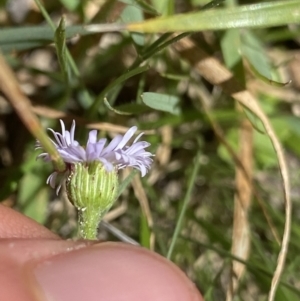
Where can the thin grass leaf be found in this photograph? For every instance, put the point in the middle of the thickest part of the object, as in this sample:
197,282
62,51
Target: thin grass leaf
61,48
248,16
70,59
93,109
107,104
27,37
191,183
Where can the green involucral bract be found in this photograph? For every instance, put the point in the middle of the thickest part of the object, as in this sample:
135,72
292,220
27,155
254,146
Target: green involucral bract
92,190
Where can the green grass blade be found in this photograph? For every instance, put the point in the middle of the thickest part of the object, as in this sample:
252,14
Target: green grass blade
61,48
247,16
184,206
93,109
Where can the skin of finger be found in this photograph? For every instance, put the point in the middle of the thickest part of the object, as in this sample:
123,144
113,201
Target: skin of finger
16,254
22,241
15,225
35,243
113,271
43,270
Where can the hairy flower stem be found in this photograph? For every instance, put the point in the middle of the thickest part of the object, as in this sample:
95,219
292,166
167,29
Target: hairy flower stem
92,190
88,222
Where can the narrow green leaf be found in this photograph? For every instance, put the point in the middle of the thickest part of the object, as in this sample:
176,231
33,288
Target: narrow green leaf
107,104
20,46
186,200
176,77
119,80
69,57
60,43
162,102
247,16
27,37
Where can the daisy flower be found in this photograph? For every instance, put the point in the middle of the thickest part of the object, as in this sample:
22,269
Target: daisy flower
117,154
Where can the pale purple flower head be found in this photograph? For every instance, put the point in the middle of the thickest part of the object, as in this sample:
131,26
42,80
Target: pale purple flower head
116,155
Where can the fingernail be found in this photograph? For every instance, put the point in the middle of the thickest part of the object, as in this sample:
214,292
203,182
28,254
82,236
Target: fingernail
110,272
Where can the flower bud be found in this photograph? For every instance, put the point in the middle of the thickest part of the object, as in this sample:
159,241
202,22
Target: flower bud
92,190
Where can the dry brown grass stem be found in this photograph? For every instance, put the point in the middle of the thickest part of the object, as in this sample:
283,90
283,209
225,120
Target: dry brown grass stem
21,104
217,74
242,201
141,195
202,95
